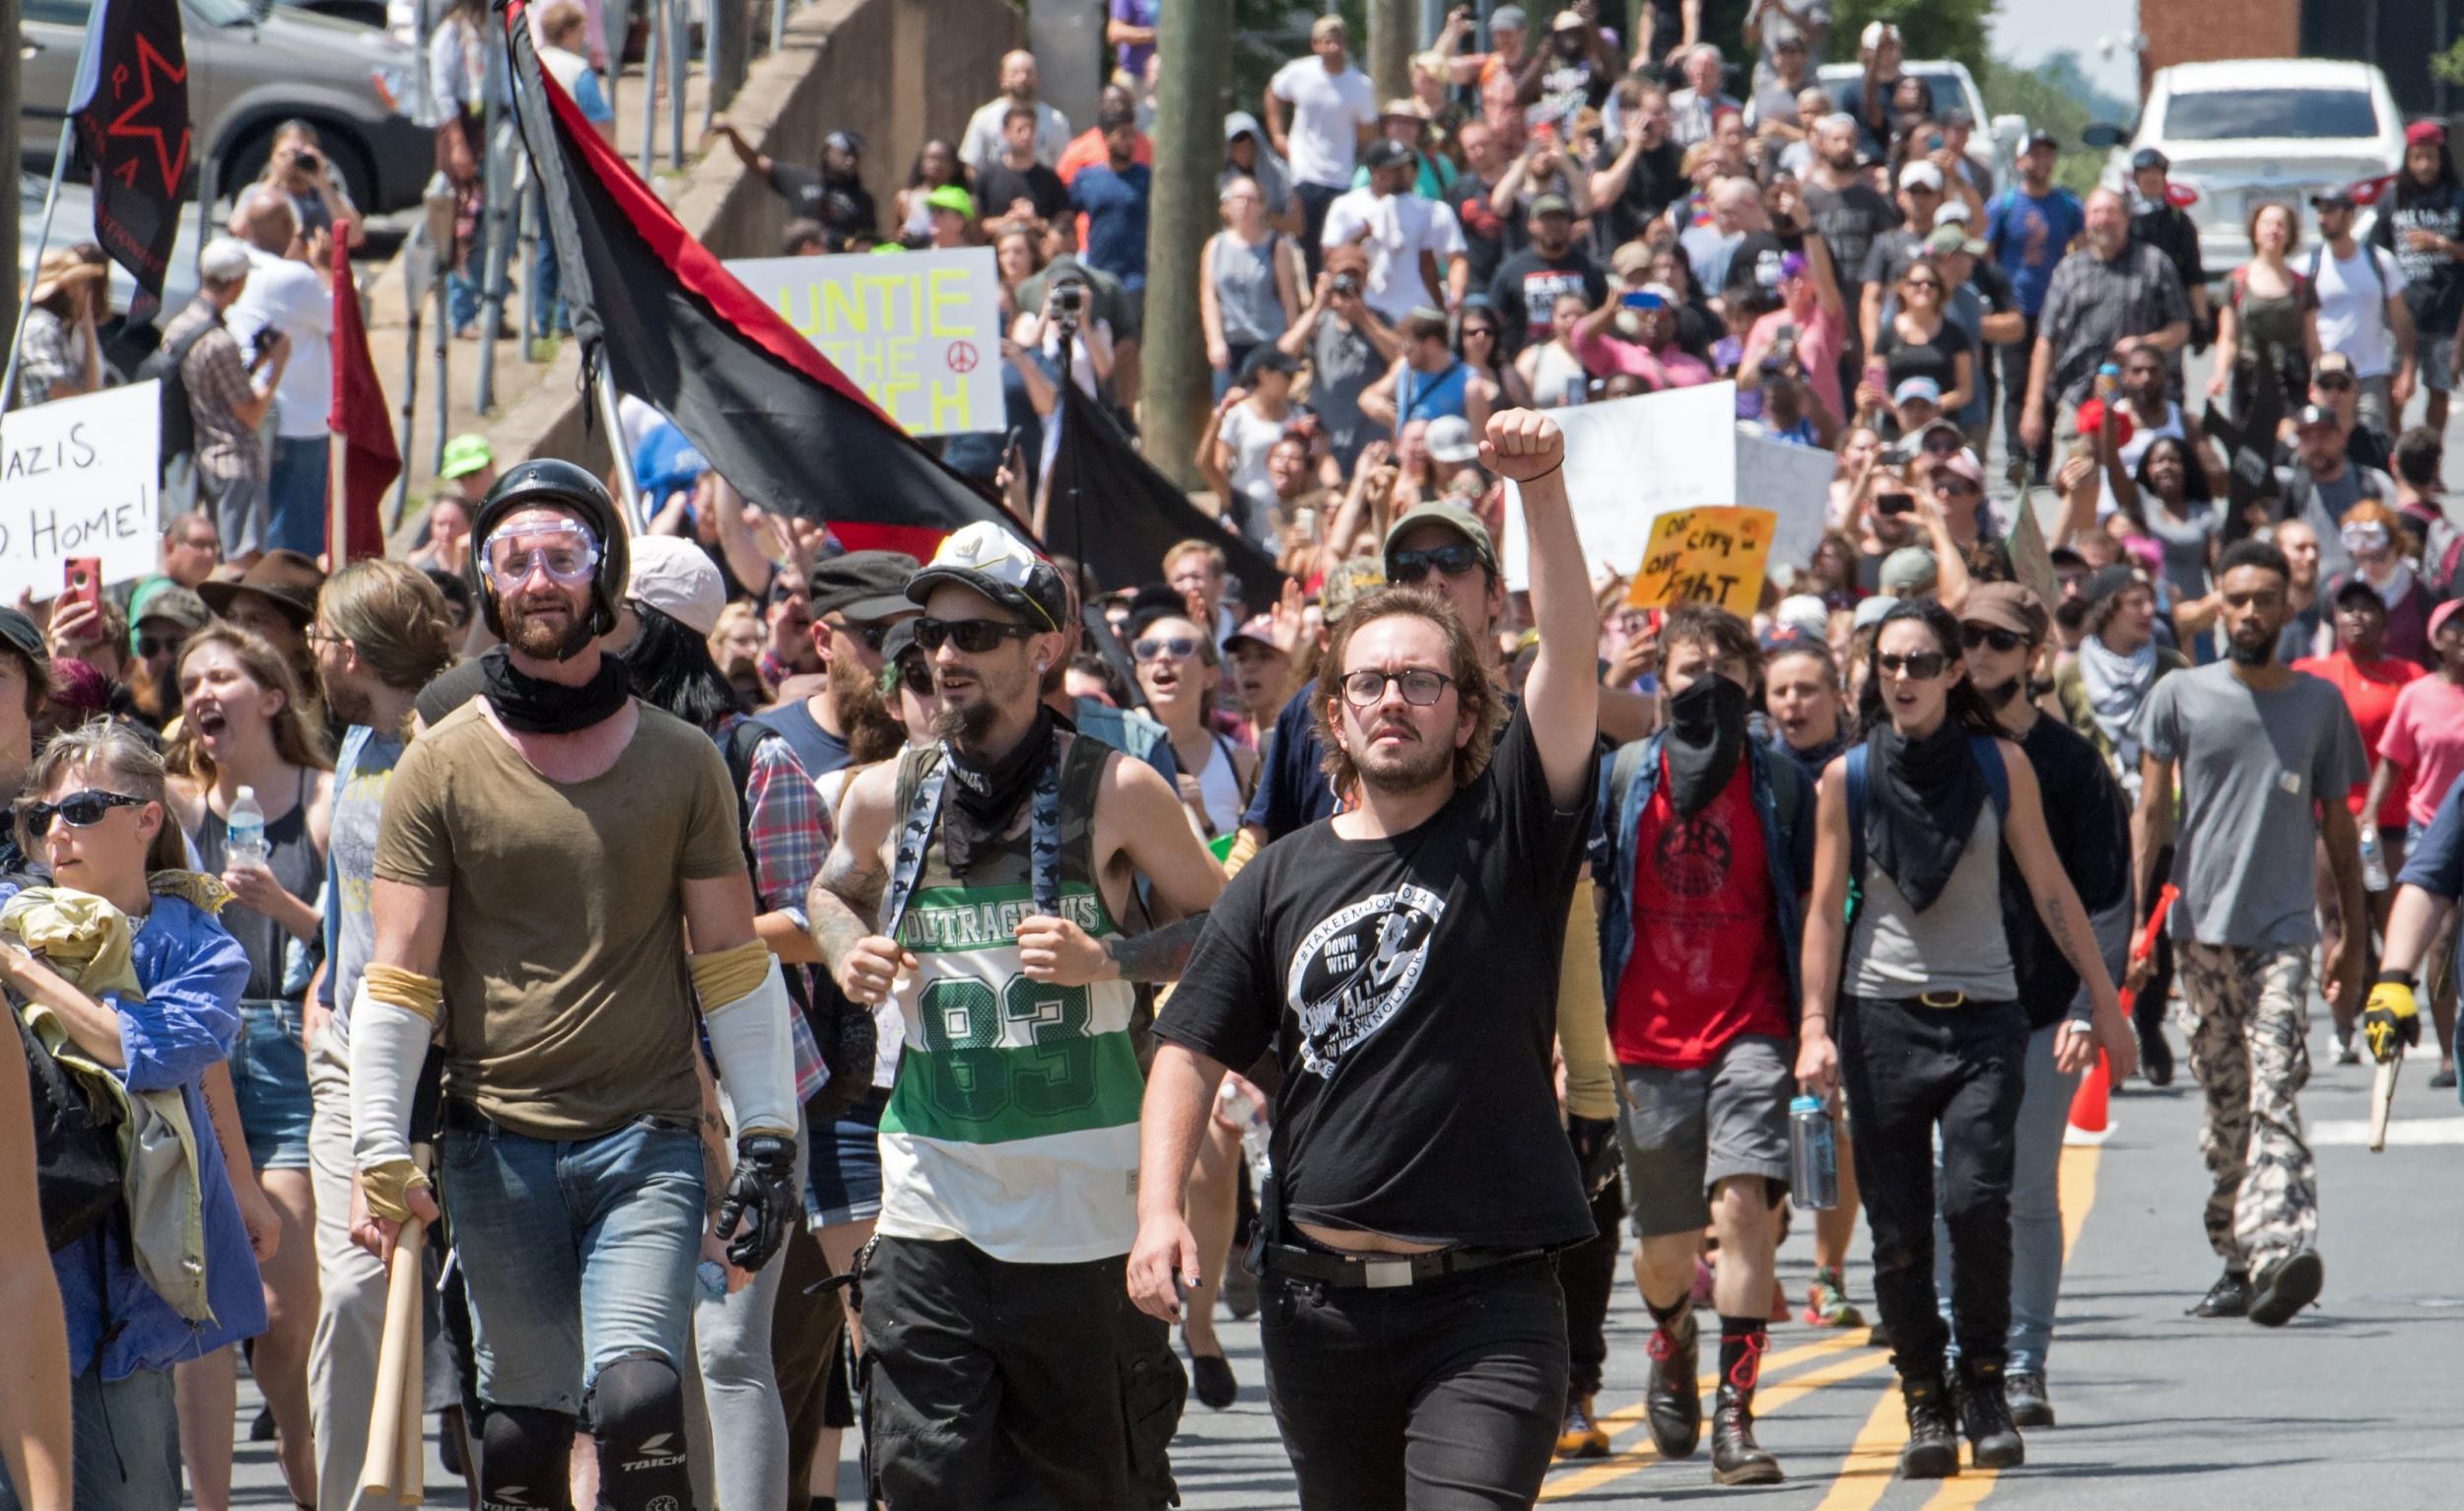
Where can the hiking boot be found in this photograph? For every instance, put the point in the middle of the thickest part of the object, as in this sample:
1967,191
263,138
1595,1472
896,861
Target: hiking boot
1735,1458
1931,1451
1580,1434
2228,1297
2032,1404
1985,1417
1826,1302
1673,1399
2286,1287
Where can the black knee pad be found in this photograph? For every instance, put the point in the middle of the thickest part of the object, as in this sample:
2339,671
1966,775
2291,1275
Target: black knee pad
526,1460
637,1414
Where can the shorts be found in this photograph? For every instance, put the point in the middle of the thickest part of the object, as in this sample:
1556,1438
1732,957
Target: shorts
269,1081
844,1185
2436,356
1688,1130
241,508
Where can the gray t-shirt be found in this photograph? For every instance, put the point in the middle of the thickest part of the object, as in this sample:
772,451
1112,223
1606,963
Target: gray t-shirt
360,779
2253,766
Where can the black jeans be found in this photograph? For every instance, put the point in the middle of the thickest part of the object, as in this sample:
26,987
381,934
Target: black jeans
1909,1068
1588,1273
1314,199
1438,1397
2017,358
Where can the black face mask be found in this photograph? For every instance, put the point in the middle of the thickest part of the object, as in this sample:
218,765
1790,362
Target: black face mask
535,705
1706,740
988,796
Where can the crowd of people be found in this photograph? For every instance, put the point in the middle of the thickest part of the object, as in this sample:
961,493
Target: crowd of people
818,990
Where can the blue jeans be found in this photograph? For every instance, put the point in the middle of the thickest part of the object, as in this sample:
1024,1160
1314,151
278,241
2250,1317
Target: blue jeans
548,315
302,467
126,1436
575,1253
269,1080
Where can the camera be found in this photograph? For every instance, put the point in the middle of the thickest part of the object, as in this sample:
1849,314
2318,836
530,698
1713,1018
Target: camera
1894,503
1070,298
263,341
307,158
1347,285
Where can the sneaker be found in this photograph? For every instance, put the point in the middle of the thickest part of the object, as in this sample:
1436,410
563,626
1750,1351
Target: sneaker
2228,1297
1931,1451
1211,1381
1735,1458
2032,1406
2443,1079
1672,1401
2348,1052
1985,1419
1580,1434
1826,1302
2286,1287
261,1430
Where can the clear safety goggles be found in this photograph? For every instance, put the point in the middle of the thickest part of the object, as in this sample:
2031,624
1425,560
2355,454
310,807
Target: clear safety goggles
564,550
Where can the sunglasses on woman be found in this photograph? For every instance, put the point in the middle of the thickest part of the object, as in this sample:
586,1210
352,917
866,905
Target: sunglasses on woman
81,810
1181,646
1924,666
2002,641
1924,283
974,637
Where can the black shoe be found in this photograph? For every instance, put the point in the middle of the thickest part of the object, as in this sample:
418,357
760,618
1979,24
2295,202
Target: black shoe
1735,1458
1879,1337
2286,1287
1985,1417
1211,1382
2032,1404
2155,1057
2443,1078
1931,1451
2228,1297
261,1430
1674,1400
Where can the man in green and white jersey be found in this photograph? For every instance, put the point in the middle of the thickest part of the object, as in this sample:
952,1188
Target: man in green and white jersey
986,884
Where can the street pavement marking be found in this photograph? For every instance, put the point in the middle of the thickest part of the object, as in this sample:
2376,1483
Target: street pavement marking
2401,1132
1767,1400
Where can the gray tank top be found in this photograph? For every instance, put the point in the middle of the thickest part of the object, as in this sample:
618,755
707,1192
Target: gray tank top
291,855
1245,291
1955,945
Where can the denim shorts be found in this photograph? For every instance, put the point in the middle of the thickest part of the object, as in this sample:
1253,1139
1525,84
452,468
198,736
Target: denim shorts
269,1080
846,1182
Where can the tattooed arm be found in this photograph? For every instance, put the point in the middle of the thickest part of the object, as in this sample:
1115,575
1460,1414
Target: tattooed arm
849,889
1157,954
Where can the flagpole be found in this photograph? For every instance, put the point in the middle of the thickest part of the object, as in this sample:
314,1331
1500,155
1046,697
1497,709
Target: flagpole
604,389
42,239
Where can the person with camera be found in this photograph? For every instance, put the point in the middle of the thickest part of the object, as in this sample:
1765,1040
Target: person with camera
302,172
227,400
288,291
1347,345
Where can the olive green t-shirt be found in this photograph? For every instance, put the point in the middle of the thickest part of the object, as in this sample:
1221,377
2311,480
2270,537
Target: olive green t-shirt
567,1006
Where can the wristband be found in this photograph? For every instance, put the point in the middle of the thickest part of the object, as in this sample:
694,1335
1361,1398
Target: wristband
406,990
726,975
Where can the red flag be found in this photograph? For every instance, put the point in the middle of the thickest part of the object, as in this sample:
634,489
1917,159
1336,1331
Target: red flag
370,459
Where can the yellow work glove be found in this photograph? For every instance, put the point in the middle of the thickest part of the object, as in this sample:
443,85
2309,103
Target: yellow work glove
2391,1018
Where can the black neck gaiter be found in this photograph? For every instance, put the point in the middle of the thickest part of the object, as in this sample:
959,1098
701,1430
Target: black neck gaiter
536,706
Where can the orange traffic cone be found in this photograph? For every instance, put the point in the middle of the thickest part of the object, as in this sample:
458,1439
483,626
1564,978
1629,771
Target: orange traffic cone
2090,1122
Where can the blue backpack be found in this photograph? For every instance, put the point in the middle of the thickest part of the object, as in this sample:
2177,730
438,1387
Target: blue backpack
1996,787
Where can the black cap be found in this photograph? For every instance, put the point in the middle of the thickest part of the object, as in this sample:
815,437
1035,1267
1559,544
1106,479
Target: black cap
2147,158
2360,592
18,633
900,639
2106,582
2324,198
1385,153
2315,414
863,586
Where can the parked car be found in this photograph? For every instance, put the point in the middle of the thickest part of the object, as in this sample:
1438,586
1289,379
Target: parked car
1992,147
2244,132
123,345
247,75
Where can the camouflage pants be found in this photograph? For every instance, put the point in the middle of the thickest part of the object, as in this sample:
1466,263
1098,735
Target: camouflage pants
2249,1027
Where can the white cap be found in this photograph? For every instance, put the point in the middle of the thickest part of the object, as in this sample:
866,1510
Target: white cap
1450,439
677,578
1952,213
1874,32
1921,176
225,258
1803,613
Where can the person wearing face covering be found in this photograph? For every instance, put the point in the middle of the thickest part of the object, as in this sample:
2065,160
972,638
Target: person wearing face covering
1710,842
1910,827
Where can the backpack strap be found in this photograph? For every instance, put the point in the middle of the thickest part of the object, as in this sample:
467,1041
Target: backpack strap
1986,749
1621,768
1856,779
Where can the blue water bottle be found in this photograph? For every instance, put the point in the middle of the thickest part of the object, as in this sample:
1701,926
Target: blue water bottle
1813,1155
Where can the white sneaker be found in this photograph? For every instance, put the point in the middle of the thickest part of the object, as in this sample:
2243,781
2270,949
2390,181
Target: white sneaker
2348,1052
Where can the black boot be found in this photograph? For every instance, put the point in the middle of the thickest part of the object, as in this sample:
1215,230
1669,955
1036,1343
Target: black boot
1985,1417
2031,1403
1673,1399
1735,1458
1932,1447
2228,1297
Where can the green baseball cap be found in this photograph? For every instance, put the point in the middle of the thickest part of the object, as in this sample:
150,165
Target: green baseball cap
465,454
951,197
1452,517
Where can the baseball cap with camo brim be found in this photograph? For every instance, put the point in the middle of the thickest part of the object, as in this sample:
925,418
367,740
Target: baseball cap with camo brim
1452,517
1351,580
999,566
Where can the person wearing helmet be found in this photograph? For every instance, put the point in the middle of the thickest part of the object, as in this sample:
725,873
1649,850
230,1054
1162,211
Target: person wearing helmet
520,903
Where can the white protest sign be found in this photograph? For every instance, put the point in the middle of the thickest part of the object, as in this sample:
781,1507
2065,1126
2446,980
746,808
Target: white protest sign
1793,482
80,477
918,331
1630,460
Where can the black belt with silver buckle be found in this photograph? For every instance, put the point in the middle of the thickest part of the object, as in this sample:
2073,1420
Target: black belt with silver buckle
1382,1271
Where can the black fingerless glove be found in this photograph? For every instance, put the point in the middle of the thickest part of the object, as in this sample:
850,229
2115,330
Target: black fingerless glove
1595,1141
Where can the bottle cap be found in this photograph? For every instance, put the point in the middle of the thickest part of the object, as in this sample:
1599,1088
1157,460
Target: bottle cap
247,794
1805,1104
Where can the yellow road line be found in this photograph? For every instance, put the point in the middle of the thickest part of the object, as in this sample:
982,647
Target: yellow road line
1624,1419
1767,1400
1873,1456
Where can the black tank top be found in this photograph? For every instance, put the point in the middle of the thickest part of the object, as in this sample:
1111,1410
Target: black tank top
292,858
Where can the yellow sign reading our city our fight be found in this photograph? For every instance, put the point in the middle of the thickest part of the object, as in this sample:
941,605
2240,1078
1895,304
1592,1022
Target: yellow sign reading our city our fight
1705,556
918,331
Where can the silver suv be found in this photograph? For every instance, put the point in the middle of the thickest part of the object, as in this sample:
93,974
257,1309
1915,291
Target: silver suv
247,75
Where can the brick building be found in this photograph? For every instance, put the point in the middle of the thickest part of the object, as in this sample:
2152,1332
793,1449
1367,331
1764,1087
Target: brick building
2399,35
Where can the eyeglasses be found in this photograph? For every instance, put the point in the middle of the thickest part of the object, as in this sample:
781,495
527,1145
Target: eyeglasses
1468,331
1924,666
873,633
314,635
564,552
151,646
1366,689
2002,641
1413,566
81,810
972,636
2332,385
1181,646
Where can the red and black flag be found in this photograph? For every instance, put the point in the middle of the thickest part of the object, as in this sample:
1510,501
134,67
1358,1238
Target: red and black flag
674,327
370,461
1110,508
130,108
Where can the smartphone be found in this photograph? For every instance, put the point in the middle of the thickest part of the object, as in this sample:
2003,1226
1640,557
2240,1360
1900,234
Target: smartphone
1642,298
1894,503
84,577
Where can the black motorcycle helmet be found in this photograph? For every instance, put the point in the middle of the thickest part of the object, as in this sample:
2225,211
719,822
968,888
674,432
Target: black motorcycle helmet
563,485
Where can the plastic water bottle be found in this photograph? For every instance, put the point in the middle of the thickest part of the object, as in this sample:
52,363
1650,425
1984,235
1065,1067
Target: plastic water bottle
2373,859
2108,381
243,832
1813,1155
1242,1109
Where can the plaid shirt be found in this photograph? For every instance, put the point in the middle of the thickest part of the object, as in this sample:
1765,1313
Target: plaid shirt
217,376
790,833
46,354
2092,302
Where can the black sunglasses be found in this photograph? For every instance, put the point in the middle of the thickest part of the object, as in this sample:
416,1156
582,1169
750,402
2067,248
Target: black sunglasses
150,646
1365,689
1181,646
916,678
972,636
2002,641
1924,666
1413,566
2331,383
82,810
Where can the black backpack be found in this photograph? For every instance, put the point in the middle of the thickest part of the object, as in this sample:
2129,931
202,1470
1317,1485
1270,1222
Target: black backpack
180,427
77,1165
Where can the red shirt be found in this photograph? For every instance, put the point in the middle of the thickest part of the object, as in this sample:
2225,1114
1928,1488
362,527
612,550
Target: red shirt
1706,965
2369,692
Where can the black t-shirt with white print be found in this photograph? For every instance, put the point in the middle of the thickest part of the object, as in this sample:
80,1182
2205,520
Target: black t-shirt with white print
1408,987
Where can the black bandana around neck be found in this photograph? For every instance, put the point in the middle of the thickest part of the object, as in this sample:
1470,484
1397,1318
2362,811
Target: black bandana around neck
988,796
536,706
1706,740
1920,805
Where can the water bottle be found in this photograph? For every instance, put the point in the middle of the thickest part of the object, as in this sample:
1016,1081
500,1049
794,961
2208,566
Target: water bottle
1813,1155
2108,381
243,832
2373,859
1242,1109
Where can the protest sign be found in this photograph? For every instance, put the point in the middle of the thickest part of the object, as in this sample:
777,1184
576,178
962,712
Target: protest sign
1705,556
920,332
80,477
1793,482
1628,460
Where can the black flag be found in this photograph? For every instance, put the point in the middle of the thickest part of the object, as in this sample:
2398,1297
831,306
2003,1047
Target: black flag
130,107
1118,516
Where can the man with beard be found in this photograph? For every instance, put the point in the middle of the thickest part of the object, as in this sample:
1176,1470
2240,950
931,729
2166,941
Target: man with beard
856,598
983,882
523,892
2266,756
1710,848
2004,627
1401,960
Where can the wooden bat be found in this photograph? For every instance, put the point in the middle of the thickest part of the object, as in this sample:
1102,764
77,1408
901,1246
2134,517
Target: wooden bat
2383,1098
397,1395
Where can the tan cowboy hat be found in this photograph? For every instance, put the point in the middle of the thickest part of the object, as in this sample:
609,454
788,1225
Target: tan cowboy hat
61,267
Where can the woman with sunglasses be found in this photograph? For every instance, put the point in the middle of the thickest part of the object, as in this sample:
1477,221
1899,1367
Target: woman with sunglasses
245,730
1180,670
99,820
1904,948
1921,341
2268,325
1251,293
1480,347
